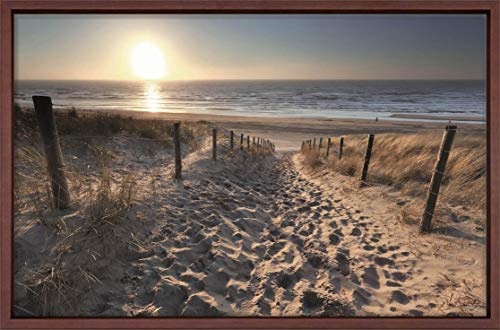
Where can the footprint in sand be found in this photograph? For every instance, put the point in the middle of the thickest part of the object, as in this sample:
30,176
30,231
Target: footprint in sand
361,297
368,247
316,260
399,297
356,232
343,263
286,281
398,276
370,277
381,261
312,300
334,239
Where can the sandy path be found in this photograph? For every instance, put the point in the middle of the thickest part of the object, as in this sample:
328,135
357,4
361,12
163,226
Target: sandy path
246,237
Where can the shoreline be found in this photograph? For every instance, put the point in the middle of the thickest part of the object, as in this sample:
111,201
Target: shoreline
461,118
419,119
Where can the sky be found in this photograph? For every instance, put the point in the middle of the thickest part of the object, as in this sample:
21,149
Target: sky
204,47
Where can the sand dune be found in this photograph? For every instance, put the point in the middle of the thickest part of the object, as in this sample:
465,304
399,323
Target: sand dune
248,235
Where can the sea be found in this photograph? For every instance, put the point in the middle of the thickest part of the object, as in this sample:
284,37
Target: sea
388,99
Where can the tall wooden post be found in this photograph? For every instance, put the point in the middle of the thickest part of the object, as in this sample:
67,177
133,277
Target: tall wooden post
231,140
177,151
253,141
437,176
53,154
302,146
328,147
310,145
341,147
214,144
248,142
314,144
368,155
320,143
241,142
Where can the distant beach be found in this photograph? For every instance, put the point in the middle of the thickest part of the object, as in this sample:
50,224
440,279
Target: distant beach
288,133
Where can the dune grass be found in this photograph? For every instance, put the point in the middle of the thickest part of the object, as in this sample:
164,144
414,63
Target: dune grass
101,226
406,162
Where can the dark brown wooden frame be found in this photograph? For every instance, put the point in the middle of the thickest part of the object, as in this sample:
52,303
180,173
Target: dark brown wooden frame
491,8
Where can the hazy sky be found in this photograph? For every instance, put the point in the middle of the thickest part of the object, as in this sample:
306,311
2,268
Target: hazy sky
254,46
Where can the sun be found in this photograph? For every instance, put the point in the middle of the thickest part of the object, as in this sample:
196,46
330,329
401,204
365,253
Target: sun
147,61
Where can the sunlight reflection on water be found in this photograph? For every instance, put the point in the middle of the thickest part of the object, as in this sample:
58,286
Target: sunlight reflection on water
152,97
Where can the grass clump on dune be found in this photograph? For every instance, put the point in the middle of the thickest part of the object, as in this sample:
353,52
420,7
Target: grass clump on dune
406,162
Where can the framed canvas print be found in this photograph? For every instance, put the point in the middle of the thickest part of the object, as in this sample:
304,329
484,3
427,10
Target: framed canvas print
249,164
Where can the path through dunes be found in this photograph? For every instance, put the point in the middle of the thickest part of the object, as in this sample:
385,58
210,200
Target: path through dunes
250,236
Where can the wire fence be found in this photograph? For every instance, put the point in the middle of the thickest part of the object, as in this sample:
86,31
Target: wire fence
221,138
361,163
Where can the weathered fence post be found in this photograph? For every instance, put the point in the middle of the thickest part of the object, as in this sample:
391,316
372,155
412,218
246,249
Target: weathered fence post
177,151
310,145
328,147
214,144
231,140
53,154
341,147
302,146
253,141
241,142
367,158
314,144
320,142
437,176
248,141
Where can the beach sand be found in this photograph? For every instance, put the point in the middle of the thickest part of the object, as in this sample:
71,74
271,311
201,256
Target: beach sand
288,133
250,235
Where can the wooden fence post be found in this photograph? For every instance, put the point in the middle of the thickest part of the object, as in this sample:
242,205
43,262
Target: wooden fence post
314,144
253,141
248,141
53,154
231,140
320,143
310,145
241,142
214,144
328,147
368,155
302,146
437,176
177,151
341,147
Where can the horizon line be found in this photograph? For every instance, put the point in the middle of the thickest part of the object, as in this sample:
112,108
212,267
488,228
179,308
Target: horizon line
259,79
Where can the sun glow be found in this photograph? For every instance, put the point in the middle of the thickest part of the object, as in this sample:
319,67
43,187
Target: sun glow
147,61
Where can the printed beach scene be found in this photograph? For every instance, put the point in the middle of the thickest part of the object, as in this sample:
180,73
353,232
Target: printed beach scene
250,165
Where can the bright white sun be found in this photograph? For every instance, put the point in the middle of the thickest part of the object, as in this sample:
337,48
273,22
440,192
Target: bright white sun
147,61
